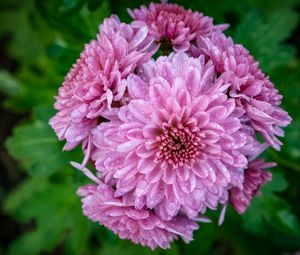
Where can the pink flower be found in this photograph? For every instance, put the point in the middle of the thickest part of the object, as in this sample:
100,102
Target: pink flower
171,137
96,81
252,90
139,225
254,178
175,143
172,24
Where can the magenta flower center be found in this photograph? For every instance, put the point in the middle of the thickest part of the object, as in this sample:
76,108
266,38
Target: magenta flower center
168,22
178,145
171,16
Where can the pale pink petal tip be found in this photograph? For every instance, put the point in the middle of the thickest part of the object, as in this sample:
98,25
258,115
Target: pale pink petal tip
174,26
96,81
139,225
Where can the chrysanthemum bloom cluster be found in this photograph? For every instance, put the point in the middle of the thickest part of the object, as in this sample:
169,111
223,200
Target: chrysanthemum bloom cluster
172,137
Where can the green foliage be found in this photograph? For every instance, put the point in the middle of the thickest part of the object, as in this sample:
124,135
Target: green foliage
255,34
44,39
45,155
271,211
8,84
287,79
56,213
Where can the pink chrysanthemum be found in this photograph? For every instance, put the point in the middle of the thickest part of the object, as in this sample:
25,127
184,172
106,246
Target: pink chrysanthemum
96,81
170,137
170,23
175,142
254,178
139,225
252,90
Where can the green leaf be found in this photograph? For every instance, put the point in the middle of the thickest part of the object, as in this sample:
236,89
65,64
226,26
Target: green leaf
28,45
58,215
277,184
263,37
72,19
271,212
289,87
70,6
94,4
24,193
47,48
126,247
9,85
289,221
37,148
203,239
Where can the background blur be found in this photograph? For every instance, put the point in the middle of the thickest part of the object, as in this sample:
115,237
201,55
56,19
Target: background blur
40,213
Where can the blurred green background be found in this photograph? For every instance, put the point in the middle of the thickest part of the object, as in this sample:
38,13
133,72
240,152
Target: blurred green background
40,213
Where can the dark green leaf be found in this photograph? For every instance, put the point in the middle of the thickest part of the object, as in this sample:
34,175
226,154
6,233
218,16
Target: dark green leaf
9,85
264,36
31,142
58,214
270,211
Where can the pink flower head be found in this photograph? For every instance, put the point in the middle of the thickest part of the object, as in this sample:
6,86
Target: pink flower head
252,90
175,142
171,137
96,81
173,24
139,225
254,178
